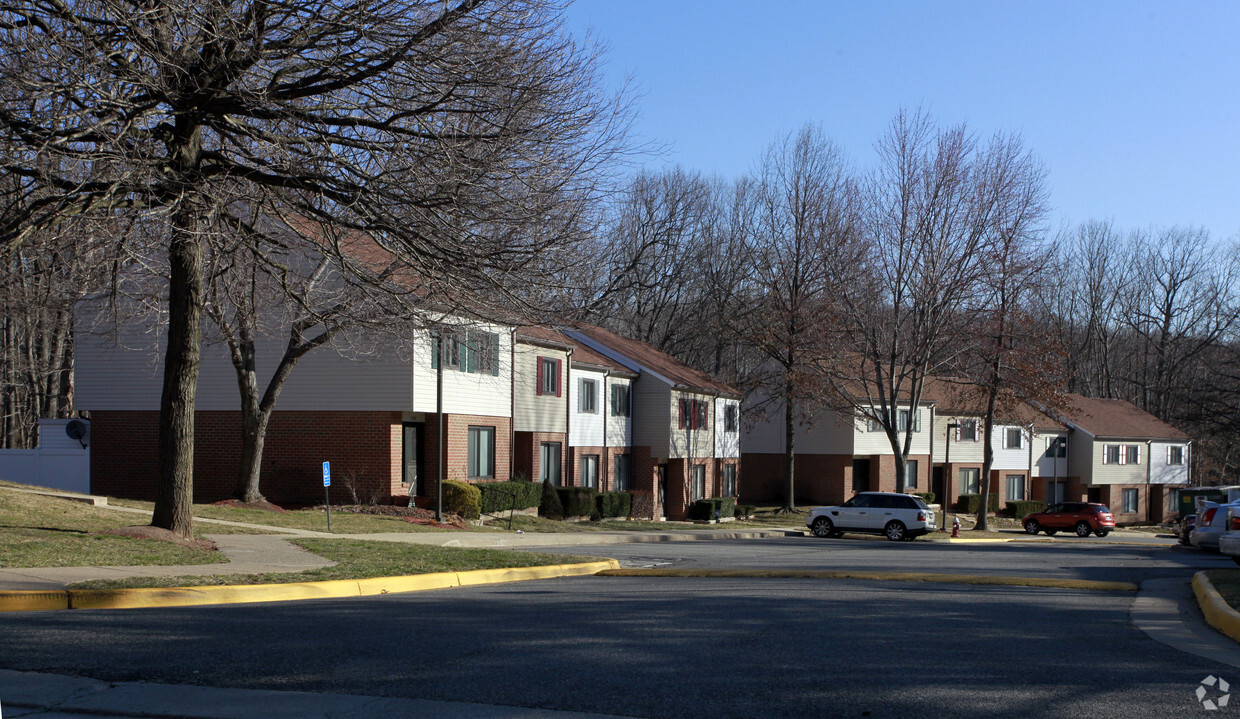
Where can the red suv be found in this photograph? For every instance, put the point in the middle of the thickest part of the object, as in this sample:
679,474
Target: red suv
1082,517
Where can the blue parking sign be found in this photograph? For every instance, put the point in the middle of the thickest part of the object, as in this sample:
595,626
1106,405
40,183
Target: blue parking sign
327,474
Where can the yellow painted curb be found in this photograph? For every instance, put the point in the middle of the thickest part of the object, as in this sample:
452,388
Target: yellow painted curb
235,594
880,576
33,601
1218,613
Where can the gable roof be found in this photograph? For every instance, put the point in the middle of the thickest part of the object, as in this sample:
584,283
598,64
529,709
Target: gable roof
581,354
1117,418
954,398
659,363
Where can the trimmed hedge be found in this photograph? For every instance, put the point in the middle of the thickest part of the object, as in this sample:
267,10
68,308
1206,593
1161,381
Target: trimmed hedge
549,505
969,503
712,508
743,510
1021,508
577,501
614,504
462,498
927,497
501,496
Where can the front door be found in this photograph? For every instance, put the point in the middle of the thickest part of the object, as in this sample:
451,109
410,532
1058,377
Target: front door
411,451
861,475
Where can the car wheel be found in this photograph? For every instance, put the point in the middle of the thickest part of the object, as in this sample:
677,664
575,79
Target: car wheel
896,531
1083,529
822,527
1102,532
1031,527
1051,532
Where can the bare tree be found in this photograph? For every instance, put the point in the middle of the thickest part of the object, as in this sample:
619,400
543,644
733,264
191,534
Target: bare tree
805,250
463,138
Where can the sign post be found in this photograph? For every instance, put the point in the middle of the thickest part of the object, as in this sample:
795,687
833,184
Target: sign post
327,496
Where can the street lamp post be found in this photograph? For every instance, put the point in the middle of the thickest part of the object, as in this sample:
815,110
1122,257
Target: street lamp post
947,469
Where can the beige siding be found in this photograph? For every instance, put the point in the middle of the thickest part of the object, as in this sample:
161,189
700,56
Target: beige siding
687,442
474,393
652,418
1117,473
536,412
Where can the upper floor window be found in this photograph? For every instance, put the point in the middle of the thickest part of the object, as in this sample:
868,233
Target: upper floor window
467,350
1013,438
1132,454
692,414
1175,455
966,430
548,382
731,418
1057,447
620,406
903,418
588,400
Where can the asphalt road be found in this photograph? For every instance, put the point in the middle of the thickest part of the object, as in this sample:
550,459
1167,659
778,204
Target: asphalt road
688,647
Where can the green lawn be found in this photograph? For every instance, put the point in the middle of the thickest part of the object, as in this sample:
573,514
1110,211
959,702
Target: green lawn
311,519
39,531
1227,582
359,559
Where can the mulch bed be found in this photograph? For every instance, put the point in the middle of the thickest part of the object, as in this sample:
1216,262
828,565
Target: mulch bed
264,506
146,531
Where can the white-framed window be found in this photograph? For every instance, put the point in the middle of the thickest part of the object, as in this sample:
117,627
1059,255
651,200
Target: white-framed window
620,402
966,430
589,471
1132,454
1013,438
1131,501
969,480
1111,454
1015,487
873,425
1175,455
480,448
699,481
903,417
587,401
1057,447
467,350
548,376
729,480
731,418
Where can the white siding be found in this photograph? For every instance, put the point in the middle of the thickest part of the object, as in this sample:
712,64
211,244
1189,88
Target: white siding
619,428
1162,472
727,444
112,377
870,443
587,429
470,393
1045,465
536,412
1015,459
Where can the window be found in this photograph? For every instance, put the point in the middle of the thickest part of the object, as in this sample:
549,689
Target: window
1175,455
700,410
589,471
873,425
588,400
550,455
729,480
620,406
731,418
1132,454
1131,501
623,475
692,414
903,420
409,456
548,376
969,480
1013,438
468,351
1015,487
481,450
699,481
1057,447
910,474
966,431
1111,454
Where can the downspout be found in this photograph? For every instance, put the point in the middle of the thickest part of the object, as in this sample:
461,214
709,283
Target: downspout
569,454
439,410
1149,466
605,460
512,402
932,407
1029,476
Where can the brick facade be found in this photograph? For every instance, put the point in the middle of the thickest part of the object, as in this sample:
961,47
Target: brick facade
527,454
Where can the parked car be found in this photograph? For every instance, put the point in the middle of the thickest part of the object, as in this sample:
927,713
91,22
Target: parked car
1229,541
899,516
1187,523
1084,518
1211,523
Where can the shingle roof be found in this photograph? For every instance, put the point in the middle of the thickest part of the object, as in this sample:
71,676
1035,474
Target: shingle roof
1117,418
681,374
581,353
956,398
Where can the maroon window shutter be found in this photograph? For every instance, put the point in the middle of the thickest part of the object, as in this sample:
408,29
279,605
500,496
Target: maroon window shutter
539,385
696,406
559,385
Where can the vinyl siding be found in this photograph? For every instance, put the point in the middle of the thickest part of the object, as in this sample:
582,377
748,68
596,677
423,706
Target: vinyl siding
1016,460
471,393
535,412
109,377
687,442
866,443
619,429
1044,465
961,450
1163,473
587,428
654,421
727,444
1117,473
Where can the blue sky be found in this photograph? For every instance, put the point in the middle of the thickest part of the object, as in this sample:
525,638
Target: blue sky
1133,106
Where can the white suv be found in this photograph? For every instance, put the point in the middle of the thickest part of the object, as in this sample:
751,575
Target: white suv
899,516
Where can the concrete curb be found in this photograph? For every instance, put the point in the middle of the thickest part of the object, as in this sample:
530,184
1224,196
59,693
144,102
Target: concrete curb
1218,613
880,576
236,594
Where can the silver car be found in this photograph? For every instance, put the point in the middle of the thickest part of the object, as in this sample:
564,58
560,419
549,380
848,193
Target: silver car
1211,524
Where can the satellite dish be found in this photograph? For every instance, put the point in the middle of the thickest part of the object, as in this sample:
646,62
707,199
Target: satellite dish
77,429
